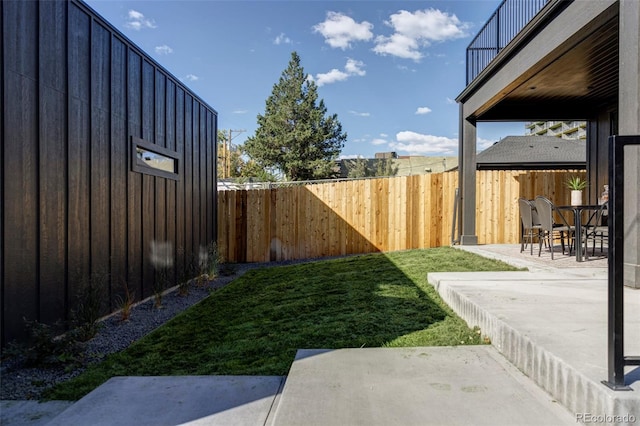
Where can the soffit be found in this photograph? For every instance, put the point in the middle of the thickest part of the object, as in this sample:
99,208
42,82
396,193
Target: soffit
571,86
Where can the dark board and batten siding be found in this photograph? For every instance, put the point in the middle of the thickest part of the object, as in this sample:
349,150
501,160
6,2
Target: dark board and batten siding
75,94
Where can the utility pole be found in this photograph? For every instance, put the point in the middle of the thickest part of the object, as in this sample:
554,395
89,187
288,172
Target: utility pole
227,149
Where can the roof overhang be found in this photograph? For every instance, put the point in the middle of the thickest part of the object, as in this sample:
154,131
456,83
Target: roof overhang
563,66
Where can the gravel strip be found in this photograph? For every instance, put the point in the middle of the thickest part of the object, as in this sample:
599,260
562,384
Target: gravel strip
21,383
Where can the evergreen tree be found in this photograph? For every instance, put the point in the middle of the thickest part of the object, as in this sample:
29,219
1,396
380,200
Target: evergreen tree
294,134
231,163
385,167
250,170
358,168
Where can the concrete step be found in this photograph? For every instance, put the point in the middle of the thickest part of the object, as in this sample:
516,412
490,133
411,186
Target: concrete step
176,400
464,385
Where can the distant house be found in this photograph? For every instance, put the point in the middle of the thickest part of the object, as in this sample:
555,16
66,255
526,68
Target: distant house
108,165
533,153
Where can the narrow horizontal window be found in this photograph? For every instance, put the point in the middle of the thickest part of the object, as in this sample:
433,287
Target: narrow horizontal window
154,160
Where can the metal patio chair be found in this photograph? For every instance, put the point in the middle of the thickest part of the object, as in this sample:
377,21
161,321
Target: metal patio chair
530,224
596,229
550,227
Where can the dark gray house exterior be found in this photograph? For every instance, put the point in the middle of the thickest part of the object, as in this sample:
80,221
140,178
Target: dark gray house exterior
540,60
107,164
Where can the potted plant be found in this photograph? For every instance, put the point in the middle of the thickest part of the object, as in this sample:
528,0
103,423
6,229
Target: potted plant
576,184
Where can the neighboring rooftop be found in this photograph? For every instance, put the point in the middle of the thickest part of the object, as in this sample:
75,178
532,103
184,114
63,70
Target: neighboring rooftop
533,152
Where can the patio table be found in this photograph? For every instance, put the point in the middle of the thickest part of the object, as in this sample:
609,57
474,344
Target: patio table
577,220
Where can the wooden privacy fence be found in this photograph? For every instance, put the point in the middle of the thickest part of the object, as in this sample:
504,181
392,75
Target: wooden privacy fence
370,215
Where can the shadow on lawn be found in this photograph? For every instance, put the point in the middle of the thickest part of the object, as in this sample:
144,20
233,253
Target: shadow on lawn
255,325
362,301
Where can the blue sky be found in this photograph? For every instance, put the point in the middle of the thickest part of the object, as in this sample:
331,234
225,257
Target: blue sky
390,70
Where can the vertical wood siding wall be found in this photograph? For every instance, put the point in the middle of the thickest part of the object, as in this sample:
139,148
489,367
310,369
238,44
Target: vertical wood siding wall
74,92
364,216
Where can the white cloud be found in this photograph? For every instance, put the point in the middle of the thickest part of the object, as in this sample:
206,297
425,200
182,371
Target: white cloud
451,101
354,67
420,144
423,110
137,21
384,135
192,77
378,141
350,156
331,77
429,24
240,111
163,50
282,39
360,114
416,30
405,68
340,31
482,144
351,68
398,45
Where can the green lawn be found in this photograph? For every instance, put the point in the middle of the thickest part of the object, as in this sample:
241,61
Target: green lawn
254,325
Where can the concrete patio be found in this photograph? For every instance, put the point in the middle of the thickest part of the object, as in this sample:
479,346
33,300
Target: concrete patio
547,327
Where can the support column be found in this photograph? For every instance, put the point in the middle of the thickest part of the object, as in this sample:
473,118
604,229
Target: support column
629,124
467,180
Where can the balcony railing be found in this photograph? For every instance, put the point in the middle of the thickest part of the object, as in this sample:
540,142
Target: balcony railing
505,23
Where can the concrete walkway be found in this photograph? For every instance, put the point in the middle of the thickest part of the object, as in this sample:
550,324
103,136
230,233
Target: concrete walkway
471,385
549,323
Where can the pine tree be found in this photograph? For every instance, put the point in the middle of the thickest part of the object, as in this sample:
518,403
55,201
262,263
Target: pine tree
358,168
294,135
385,167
